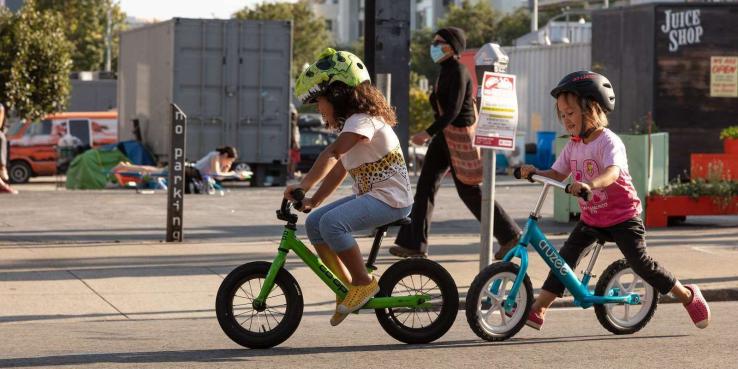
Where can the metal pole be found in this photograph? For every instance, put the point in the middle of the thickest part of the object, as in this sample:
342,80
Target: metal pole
534,17
108,40
488,202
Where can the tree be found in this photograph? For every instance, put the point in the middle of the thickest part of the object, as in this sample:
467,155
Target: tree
420,61
309,34
35,62
421,114
512,26
86,27
479,22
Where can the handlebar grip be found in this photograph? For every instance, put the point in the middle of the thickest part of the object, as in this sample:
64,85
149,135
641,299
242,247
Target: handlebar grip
517,174
583,193
298,194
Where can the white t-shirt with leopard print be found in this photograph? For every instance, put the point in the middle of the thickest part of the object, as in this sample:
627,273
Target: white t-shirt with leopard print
376,164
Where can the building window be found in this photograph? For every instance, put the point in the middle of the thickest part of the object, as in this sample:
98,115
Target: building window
329,24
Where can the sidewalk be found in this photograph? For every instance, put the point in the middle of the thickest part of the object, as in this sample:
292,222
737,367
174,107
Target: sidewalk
165,281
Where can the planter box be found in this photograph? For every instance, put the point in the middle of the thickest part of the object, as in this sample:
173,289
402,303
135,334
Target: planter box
701,162
648,172
661,208
730,146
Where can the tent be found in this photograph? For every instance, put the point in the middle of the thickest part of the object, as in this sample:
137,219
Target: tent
136,151
90,170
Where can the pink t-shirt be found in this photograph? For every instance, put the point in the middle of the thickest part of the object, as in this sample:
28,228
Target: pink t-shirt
617,202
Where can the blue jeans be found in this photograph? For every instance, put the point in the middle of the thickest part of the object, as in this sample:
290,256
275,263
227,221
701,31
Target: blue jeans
332,224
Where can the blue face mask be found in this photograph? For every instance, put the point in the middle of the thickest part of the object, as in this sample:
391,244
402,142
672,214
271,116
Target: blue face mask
436,53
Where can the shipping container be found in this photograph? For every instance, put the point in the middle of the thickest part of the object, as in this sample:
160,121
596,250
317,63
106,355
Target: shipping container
230,77
96,95
660,58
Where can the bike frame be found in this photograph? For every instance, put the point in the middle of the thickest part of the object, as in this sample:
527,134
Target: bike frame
291,242
533,235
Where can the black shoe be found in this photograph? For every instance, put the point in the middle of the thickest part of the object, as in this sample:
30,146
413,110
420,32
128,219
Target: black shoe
404,252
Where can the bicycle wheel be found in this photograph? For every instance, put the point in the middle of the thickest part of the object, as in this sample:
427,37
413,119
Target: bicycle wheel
484,311
418,325
625,318
265,326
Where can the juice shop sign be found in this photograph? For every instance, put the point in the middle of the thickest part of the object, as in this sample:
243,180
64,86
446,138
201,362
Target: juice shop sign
682,28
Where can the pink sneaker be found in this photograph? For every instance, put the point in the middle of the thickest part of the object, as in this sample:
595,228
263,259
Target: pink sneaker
697,308
534,321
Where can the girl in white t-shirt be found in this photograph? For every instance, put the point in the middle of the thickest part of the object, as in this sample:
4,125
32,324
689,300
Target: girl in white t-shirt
368,149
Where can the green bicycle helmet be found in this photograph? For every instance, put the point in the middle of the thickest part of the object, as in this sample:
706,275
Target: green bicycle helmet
331,66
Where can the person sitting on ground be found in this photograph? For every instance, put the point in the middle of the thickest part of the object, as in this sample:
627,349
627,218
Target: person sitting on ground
214,165
369,150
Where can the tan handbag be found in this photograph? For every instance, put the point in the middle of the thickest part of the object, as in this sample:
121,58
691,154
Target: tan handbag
466,159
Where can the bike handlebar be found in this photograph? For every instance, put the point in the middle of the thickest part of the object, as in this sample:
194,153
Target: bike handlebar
299,194
584,194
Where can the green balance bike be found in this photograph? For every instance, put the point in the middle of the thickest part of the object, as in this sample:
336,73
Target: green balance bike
500,297
260,304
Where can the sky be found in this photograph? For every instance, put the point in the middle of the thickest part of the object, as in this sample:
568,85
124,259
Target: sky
165,9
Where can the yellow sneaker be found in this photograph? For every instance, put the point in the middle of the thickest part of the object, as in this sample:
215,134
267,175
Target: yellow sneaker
357,296
337,317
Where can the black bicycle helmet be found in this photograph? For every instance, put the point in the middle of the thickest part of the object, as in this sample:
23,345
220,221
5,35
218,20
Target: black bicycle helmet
589,84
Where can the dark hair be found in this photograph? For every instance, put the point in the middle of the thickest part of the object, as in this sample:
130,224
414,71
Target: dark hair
230,151
592,111
363,98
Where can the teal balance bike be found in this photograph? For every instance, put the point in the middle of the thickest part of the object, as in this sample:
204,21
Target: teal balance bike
260,304
500,297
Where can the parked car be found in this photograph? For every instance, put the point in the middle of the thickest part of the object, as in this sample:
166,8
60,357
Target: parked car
310,120
312,142
33,145
416,156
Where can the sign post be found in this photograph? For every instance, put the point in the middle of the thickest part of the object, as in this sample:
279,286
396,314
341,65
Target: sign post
176,185
498,120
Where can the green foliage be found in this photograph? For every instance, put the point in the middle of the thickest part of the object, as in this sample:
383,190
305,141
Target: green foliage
309,34
35,62
85,25
479,22
512,26
641,125
716,186
420,61
421,114
729,132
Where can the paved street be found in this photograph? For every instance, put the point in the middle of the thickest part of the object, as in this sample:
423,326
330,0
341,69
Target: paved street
86,282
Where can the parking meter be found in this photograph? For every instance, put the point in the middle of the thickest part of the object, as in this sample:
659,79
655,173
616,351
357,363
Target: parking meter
489,58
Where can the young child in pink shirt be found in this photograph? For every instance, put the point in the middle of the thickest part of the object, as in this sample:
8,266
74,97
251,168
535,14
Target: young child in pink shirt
596,159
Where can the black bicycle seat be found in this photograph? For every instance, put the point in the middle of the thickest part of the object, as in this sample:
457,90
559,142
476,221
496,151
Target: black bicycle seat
600,235
399,222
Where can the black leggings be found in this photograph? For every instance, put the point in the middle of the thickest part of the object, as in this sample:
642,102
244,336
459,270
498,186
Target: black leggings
437,162
630,236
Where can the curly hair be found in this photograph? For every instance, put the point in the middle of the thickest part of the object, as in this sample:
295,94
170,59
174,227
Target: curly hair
363,98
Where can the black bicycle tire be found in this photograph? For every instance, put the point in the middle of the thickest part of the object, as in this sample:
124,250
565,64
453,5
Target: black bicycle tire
472,301
446,285
601,310
281,332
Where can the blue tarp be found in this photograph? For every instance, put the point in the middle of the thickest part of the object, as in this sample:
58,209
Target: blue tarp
136,151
